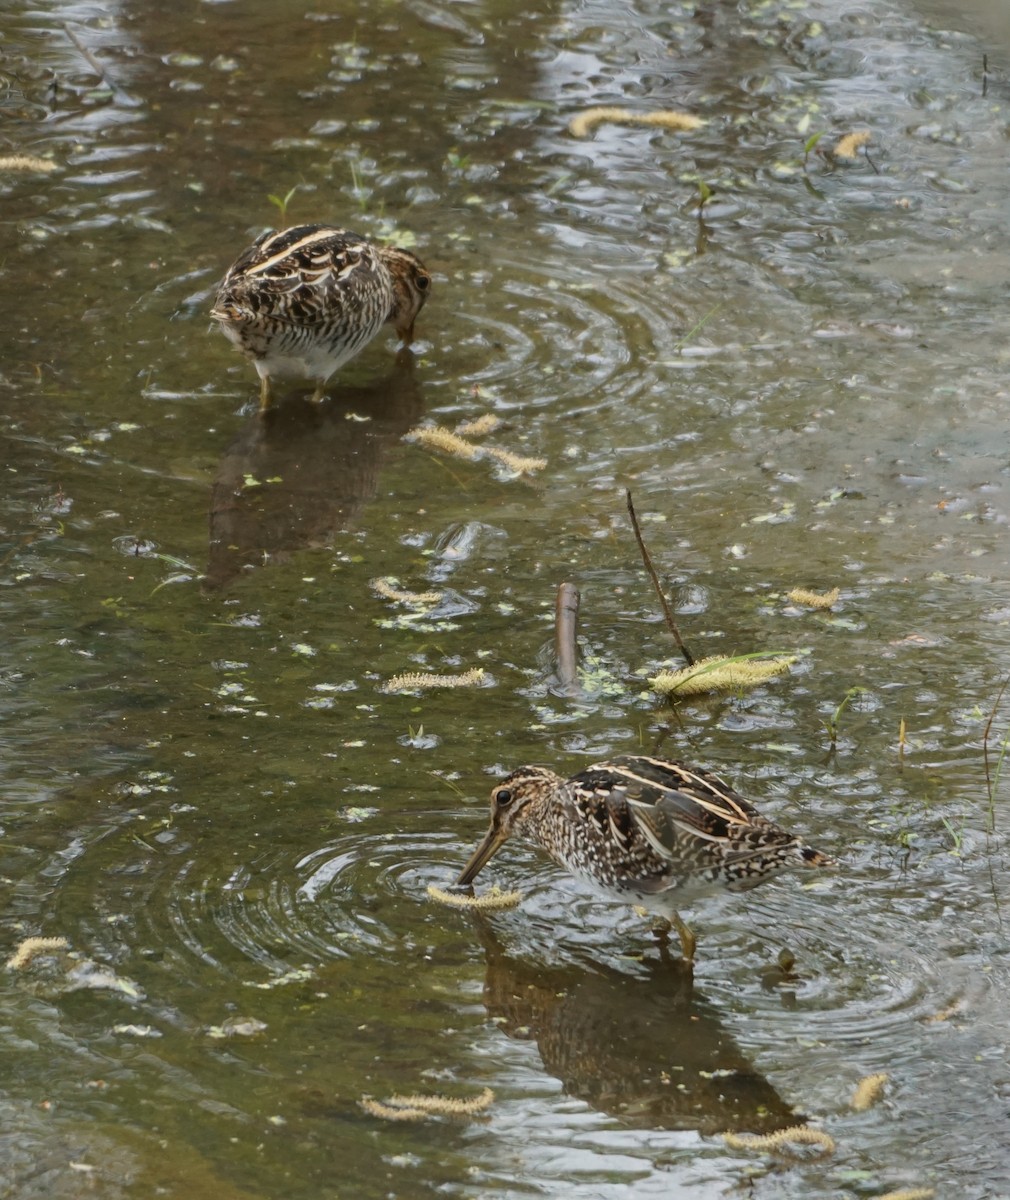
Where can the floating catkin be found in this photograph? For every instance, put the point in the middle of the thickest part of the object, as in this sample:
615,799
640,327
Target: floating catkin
814,599
26,162
32,946
782,1139
583,124
493,898
437,437
519,463
868,1091
718,674
479,426
418,1107
847,146
440,438
389,1112
413,681
385,588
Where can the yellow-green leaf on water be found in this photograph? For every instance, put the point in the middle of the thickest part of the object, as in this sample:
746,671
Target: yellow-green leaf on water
721,673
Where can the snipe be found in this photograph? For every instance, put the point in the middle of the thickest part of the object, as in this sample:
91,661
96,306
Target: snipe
644,830
302,301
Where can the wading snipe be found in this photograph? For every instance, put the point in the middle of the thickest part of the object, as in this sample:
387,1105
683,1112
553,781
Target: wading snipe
644,830
303,301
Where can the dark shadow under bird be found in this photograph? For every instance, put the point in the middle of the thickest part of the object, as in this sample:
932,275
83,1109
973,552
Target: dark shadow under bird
644,830
640,1046
303,301
300,472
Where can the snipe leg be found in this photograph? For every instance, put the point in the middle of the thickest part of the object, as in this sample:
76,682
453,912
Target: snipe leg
688,942
317,395
265,394
661,927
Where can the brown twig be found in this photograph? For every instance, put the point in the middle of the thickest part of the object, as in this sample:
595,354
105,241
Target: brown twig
99,70
985,737
647,560
566,616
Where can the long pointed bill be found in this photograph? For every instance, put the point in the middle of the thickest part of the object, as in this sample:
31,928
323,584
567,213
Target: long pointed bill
406,335
493,841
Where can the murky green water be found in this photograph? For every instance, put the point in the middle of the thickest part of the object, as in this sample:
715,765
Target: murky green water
206,791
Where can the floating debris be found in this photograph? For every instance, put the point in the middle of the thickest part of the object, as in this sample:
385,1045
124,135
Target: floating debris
30,947
909,1194
583,124
868,1091
782,1139
295,975
90,975
479,426
236,1027
26,162
847,146
814,599
945,1013
493,898
386,589
419,1107
720,673
414,680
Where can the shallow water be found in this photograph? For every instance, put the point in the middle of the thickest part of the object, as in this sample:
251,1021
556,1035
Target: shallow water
205,789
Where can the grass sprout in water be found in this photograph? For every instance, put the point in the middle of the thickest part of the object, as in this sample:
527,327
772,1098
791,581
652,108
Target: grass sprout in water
281,202
832,726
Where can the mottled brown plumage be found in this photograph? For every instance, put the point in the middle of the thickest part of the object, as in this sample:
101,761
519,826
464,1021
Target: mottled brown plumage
644,830
302,301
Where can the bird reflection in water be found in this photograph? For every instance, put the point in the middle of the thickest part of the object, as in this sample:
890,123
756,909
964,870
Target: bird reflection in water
301,471
639,1047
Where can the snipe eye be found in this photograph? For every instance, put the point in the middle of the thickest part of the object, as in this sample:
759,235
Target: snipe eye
503,798
423,282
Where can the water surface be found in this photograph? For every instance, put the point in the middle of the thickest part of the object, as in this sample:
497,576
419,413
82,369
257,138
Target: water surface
206,790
